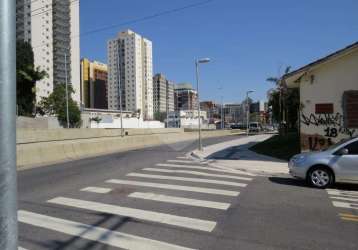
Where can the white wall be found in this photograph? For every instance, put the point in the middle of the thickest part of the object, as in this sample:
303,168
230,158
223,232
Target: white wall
326,84
127,123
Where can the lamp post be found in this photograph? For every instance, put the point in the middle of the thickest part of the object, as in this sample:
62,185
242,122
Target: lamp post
247,111
8,183
221,109
197,62
66,77
120,93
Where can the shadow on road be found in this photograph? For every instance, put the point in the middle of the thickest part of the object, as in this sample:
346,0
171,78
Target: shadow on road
288,181
72,243
302,183
241,152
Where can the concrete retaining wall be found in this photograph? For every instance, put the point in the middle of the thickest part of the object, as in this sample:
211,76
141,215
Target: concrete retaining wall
48,135
36,148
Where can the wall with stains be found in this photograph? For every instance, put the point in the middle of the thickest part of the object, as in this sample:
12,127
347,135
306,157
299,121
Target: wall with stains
324,87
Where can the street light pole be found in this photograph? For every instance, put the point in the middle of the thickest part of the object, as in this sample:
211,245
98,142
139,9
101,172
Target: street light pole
66,77
197,62
120,93
8,183
247,111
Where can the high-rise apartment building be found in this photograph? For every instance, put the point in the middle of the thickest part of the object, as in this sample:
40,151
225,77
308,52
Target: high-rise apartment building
163,94
185,97
130,67
52,28
94,84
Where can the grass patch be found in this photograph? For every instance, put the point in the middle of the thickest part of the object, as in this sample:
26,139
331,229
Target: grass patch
279,146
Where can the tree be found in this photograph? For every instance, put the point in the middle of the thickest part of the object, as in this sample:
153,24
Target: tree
284,102
26,77
55,104
160,116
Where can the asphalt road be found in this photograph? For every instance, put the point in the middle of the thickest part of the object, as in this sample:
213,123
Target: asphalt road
154,198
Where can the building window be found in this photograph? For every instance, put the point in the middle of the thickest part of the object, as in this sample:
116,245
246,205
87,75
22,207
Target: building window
350,108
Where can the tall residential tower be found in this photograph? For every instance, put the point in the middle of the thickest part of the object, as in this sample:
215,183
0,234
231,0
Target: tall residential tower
130,67
163,94
52,28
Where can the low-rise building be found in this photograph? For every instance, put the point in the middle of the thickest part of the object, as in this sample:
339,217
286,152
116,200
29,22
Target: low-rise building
187,119
329,98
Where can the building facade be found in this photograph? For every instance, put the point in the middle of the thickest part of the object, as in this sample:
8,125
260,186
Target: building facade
52,28
130,70
94,85
185,97
328,91
163,94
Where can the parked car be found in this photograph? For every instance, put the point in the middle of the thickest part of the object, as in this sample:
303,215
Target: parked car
338,163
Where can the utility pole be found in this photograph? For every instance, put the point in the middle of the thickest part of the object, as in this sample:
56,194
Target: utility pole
8,183
67,112
120,93
247,111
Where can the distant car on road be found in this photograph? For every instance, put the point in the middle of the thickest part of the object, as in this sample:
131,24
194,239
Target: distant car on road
338,163
255,127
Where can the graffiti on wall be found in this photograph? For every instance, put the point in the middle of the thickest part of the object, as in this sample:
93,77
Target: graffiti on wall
330,126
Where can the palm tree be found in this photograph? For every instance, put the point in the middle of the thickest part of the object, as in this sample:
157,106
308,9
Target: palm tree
281,88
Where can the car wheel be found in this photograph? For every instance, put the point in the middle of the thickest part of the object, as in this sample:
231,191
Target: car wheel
320,177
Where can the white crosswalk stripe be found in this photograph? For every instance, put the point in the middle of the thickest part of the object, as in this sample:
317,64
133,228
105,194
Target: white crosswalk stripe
204,168
342,192
175,187
98,190
186,179
174,220
180,200
345,205
21,248
196,173
105,236
186,161
343,198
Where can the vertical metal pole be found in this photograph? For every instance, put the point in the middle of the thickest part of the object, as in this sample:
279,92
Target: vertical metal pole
247,113
8,183
222,112
198,101
120,92
67,113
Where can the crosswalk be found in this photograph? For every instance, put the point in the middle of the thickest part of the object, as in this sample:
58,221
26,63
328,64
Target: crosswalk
346,200
178,183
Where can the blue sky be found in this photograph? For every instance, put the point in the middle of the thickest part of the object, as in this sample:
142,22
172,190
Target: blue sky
247,41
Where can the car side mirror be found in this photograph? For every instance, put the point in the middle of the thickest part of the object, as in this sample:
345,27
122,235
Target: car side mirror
343,151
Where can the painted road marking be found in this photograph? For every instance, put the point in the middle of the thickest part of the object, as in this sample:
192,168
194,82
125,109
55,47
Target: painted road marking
345,205
344,198
342,192
198,180
196,173
174,220
349,217
204,168
180,200
182,158
21,248
98,190
185,161
89,232
176,187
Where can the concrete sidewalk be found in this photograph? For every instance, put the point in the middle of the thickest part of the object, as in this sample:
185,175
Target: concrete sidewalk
236,155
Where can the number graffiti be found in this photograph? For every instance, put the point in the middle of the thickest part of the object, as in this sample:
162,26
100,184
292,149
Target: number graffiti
328,120
333,126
